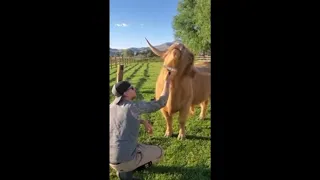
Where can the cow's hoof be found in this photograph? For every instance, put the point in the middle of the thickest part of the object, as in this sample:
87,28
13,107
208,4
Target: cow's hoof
201,118
181,136
168,134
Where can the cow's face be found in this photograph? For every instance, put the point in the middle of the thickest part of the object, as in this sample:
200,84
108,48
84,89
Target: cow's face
172,57
177,57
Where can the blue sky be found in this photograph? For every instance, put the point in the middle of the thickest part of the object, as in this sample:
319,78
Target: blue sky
133,20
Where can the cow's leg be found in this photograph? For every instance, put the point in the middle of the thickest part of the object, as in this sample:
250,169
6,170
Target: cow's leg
183,115
204,106
192,110
168,118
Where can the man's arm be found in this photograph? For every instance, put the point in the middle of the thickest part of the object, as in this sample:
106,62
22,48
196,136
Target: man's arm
152,106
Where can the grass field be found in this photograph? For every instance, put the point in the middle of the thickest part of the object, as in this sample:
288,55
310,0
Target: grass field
188,159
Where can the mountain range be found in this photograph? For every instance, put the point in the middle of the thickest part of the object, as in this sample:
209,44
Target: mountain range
161,47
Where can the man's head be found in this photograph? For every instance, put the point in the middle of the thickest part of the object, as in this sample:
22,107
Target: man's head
123,89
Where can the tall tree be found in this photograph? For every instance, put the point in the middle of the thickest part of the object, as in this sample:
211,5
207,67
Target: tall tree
117,53
149,53
128,53
192,25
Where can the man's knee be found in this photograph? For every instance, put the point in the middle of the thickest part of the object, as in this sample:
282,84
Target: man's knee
151,153
159,155
162,152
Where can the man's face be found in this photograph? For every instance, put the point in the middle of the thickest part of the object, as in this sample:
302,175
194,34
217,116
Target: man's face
131,93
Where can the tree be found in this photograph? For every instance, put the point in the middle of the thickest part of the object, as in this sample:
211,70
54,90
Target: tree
192,25
128,53
149,53
117,54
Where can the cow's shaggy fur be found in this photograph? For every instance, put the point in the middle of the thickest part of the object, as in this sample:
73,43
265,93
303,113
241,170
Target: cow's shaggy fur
190,86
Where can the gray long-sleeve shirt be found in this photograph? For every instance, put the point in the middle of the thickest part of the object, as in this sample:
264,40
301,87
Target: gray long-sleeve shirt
124,126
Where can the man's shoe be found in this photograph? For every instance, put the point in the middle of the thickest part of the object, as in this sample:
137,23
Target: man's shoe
145,166
127,176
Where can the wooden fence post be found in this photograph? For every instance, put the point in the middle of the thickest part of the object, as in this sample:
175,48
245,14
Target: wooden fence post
120,72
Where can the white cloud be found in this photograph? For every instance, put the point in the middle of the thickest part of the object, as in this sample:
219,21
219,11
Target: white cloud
122,25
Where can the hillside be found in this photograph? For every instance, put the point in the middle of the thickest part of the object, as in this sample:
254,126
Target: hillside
161,47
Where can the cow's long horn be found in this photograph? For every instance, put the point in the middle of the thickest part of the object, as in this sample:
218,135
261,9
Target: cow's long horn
155,50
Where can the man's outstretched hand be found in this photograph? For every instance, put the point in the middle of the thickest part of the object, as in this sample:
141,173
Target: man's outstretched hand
148,127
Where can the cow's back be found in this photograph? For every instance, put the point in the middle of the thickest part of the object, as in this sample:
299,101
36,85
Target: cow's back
201,84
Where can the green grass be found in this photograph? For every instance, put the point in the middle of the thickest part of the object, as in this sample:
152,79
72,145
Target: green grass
188,159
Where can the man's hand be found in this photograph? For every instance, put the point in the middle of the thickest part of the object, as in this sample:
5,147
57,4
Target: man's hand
148,126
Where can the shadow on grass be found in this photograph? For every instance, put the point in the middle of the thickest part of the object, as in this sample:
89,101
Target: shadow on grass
148,92
131,67
128,79
127,70
196,173
146,71
134,73
140,84
124,72
113,72
111,80
197,118
191,137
